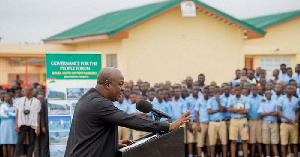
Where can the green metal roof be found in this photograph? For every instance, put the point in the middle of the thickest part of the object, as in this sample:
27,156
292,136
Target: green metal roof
263,22
115,22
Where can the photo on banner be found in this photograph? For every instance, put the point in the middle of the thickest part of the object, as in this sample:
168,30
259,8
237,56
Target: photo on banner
69,76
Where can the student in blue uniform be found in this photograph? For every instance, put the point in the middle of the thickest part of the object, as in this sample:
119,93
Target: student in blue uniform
288,111
191,125
255,122
296,77
202,120
270,129
217,125
161,105
9,136
239,108
123,132
176,104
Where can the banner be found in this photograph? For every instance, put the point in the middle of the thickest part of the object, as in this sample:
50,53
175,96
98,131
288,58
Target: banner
69,76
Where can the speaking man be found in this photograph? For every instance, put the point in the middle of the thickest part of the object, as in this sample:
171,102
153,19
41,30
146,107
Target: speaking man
95,121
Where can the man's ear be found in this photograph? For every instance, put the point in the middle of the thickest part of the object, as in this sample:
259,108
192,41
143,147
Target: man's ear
106,84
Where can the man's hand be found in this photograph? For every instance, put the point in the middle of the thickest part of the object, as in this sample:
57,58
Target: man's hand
125,143
289,121
183,119
295,122
44,130
17,129
198,128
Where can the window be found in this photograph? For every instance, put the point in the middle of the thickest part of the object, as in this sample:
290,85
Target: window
271,63
111,60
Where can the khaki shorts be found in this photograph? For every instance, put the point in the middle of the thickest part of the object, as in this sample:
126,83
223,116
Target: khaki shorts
255,131
190,137
217,130
138,134
288,134
270,132
124,133
237,126
202,137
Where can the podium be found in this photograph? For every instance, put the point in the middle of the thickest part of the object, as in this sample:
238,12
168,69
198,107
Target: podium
169,144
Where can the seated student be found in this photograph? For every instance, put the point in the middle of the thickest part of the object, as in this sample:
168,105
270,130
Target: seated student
270,131
239,108
202,120
288,110
217,125
123,132
191,125
255,122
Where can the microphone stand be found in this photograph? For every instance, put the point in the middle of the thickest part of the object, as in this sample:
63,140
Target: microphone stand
157,118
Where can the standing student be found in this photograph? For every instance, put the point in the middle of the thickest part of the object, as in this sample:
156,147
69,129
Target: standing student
202,120
162,105
288,111
177,104
283,74
123,132
239,108
270,131
255,122
296,77
8,134
217,125
190,127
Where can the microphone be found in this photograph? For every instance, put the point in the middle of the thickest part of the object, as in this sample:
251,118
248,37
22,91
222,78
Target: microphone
146,107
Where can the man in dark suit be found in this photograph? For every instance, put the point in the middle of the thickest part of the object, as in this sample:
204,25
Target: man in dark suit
94,130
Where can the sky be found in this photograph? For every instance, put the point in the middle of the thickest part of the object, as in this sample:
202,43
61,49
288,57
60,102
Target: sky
30,21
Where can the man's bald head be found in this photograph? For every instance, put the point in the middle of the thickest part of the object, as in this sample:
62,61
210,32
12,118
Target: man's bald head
29,91
108,73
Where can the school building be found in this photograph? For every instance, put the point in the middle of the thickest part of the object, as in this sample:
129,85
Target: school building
157,42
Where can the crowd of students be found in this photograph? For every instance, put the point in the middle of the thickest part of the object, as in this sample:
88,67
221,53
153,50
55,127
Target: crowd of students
23,119
255,113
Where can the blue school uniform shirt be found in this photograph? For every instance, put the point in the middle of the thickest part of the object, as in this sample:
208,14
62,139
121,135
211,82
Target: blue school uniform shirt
268,106
176,108
254,103
127,101
288,107
276,97
124,106
225,103
190,105
212,104
287,78
297,79
282,76
134,110
242,100
201,108
164,107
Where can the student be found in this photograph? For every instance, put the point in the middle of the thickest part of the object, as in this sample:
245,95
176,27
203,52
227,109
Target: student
189,82
283,74
261,90
264,75
225,97
251,79
124,133
176,105
277,94
161,105
201,80
269,86
288,111
289,76
270,131
202,120
296,77
276,76
255,136
191,125
239,108
135,133
217,125
258,71
127,92
9,136
152,95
